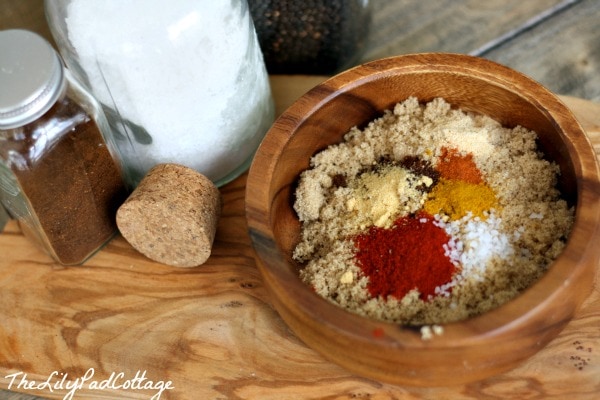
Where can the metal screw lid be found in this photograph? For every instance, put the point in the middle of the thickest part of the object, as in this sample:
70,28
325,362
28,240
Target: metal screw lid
31,77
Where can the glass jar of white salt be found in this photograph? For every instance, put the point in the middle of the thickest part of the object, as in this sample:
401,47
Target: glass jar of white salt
181,81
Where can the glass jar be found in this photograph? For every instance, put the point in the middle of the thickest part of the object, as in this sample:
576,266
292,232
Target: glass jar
59,174
311,36
180,81
4,217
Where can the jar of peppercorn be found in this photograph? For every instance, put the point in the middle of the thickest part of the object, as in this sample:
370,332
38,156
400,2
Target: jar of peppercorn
59,177
312,36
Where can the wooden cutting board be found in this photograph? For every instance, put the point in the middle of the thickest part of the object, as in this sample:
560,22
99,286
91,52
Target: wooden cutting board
211,331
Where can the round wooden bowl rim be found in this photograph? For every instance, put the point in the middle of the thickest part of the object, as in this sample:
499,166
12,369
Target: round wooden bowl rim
569,266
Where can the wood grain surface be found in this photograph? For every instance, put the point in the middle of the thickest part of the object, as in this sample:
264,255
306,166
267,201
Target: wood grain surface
570,65
212,331
447,25
556,42
42,330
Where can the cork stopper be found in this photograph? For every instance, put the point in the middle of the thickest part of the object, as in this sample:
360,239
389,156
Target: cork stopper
171,217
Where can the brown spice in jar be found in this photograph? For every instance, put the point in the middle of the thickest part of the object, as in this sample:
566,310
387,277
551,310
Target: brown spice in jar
70,180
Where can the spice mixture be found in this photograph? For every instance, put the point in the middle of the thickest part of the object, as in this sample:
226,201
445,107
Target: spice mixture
429,215
71,182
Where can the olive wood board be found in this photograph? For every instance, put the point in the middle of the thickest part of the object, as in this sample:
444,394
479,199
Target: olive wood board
211,330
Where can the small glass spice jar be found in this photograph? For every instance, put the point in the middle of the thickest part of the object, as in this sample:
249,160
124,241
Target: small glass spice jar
182,81
59,175
311,36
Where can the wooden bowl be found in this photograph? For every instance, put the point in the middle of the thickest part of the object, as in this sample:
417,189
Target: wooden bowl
469,350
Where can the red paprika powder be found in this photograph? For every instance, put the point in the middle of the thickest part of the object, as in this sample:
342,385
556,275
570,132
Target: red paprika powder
409,255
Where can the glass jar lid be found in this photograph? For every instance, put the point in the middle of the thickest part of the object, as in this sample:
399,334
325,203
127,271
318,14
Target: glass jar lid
31,77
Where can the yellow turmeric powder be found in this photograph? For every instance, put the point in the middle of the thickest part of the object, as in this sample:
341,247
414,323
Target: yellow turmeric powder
456,198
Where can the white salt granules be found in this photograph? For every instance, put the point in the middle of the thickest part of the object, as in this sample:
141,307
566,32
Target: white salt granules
192,75
473,242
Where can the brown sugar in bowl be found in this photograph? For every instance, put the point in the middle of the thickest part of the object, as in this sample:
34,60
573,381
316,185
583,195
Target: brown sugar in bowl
469,350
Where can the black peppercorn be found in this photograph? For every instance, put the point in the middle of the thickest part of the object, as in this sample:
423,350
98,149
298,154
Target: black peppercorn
310,37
